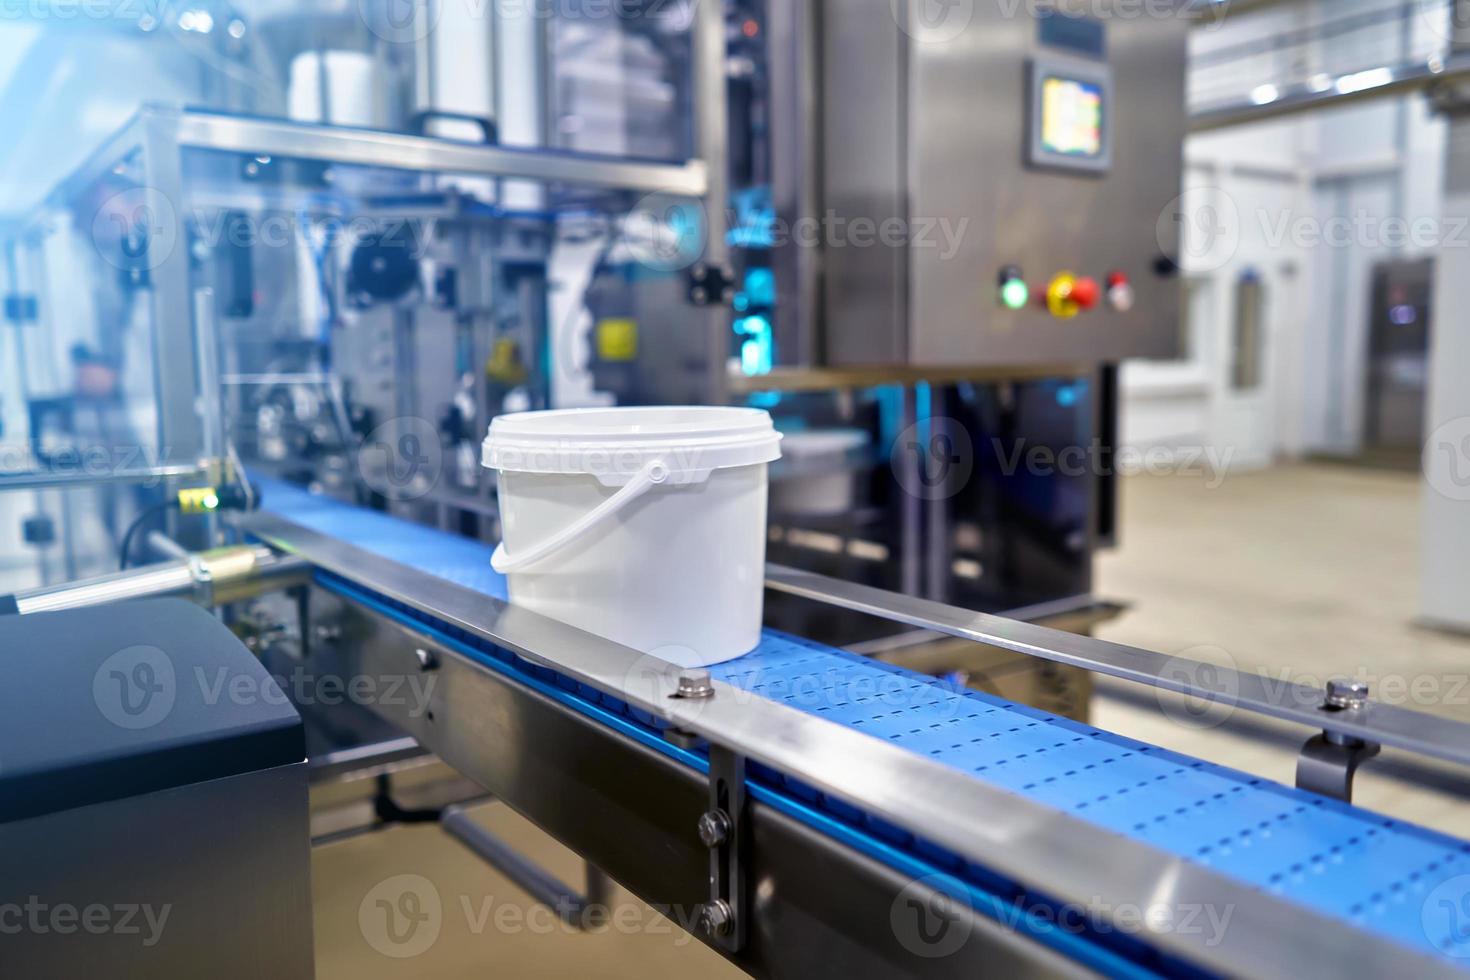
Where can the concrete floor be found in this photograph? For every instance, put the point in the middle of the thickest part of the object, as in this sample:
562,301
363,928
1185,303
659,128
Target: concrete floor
471,922
1310,570
1304,573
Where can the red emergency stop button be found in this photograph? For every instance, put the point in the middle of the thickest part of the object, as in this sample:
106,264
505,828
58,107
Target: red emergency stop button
1068,295
1086,292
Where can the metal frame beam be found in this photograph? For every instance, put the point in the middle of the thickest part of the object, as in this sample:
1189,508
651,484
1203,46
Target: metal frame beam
371,148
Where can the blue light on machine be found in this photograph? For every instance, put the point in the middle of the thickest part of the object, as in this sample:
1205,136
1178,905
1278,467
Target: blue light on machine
1068,395
764,399
758,291
758,348
760,287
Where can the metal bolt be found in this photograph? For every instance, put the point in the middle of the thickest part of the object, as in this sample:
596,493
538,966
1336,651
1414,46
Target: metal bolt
1346,695
716,918
714,828
426,659
695,684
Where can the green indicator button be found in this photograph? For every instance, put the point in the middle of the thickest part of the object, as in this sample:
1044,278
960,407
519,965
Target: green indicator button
1014,294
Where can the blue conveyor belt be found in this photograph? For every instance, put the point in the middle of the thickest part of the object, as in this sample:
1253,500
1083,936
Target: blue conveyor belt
1379,874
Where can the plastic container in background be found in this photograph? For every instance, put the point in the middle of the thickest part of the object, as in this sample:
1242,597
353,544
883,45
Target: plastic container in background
643,525
817,479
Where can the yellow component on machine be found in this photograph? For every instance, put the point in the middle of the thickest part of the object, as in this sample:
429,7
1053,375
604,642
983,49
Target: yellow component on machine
617,340
505,364
1059,297
198,500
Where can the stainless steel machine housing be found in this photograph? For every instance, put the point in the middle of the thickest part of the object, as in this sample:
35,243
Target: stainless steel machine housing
933,125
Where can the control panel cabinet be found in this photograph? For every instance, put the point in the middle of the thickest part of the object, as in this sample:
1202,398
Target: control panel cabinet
1020,173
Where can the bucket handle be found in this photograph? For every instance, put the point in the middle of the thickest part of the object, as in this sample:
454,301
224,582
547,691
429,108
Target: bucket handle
651,475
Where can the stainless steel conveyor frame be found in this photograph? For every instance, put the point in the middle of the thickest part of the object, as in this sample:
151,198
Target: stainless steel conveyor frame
631,803
619,802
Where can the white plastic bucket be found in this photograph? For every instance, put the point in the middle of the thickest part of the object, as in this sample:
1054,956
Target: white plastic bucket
643,525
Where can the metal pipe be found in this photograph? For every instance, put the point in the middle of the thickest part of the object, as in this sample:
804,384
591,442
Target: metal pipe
162,544
527,875
81,477
1360,86
210,578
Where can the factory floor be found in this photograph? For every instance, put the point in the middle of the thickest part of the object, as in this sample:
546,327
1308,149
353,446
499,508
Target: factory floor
1310,570
1302,573
478,924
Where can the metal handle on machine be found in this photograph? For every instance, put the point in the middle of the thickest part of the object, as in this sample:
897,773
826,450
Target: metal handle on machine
651,475
490,135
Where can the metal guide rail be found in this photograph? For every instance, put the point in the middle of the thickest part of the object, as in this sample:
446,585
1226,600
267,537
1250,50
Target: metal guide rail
978,799
1351,717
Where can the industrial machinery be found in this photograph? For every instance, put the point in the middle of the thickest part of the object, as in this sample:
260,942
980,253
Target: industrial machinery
813,811
368,300
950,225
147,818
316,312
1031,160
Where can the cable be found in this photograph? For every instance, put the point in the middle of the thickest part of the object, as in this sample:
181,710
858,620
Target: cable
193,500
133,528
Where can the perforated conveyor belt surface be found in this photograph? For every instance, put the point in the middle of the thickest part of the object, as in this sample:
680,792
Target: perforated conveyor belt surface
1382,875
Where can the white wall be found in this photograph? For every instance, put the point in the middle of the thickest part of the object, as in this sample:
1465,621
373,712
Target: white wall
1290,186
1445,534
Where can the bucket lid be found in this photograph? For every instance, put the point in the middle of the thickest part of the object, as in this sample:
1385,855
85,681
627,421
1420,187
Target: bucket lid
823,442
614,444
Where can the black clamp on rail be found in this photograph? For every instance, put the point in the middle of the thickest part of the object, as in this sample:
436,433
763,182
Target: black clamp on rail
1329,761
